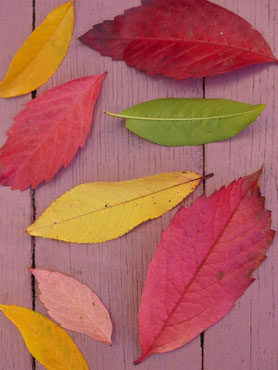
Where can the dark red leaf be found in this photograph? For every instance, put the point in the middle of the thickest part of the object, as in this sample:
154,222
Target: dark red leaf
47,134
202,265
180,39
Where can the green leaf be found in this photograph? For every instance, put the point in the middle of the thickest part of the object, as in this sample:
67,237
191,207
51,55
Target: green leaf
177,122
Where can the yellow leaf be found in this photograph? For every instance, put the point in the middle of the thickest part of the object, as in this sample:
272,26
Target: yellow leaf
48,343
102,211
41,54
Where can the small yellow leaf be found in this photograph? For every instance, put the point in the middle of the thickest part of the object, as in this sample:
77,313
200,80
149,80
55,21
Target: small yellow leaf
48,343
102,211
41,54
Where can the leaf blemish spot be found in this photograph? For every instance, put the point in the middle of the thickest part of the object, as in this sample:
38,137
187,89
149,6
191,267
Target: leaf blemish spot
220,275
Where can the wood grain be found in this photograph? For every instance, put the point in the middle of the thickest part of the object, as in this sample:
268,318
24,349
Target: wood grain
16,210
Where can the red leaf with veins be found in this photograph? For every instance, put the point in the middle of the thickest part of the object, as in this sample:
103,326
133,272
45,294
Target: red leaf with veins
203,264
180,39
48,133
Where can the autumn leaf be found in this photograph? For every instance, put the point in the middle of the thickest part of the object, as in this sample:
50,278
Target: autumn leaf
102,211
48,343
180,39
73,305
176,122
48,133
41,54
203,264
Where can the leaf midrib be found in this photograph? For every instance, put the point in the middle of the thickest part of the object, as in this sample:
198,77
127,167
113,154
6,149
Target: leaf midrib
193,42
146,354
177,119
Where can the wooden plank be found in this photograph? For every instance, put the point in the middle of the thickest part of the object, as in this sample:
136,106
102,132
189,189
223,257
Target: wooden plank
115,270
247,337
15,246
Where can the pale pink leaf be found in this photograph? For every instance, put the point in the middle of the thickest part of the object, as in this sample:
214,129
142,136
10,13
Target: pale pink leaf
73,305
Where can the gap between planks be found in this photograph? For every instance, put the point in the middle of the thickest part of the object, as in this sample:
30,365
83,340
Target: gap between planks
202,335
33,206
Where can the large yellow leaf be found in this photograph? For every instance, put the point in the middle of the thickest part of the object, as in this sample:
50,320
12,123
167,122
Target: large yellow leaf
101,211
41,54
47,342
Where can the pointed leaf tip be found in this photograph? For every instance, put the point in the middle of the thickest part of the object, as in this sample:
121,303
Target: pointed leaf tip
139,360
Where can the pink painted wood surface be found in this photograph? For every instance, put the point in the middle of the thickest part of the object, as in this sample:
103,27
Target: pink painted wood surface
247,338
15,207
115,270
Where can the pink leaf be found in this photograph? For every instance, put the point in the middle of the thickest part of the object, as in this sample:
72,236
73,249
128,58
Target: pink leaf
202,265
48,133
73,305
180,39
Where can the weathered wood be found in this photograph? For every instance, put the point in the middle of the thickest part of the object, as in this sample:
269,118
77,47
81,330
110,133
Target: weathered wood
247,337
115,270
16,210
